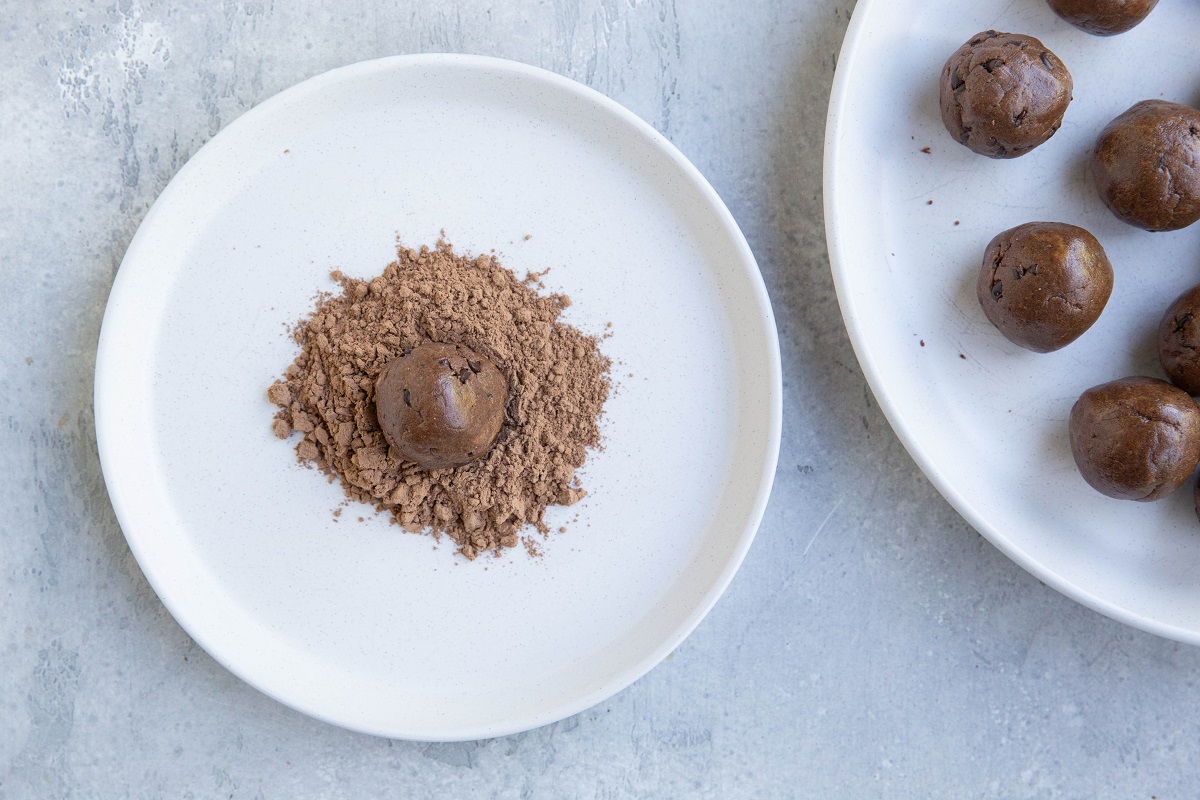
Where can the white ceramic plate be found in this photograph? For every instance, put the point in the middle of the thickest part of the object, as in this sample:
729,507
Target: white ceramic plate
361,624
986,420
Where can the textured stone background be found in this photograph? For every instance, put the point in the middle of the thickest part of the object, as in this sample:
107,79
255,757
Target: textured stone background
873,644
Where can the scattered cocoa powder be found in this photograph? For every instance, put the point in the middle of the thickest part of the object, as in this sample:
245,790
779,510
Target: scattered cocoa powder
558,383
531,546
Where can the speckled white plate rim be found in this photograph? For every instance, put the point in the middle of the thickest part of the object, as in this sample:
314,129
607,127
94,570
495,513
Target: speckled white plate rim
123,497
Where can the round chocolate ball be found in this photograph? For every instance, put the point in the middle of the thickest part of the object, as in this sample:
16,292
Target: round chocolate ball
1179,341
440,405
1135,438
1103,17
1043,284
1003,94
1147,165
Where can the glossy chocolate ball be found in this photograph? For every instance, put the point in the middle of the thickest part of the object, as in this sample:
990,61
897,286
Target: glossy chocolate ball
1043,284
1135,438
1003,94
1179,341
441,405
1147,165
1103,17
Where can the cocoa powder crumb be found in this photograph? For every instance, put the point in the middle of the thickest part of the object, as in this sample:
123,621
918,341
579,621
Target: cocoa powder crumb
533,279
558,383
532,547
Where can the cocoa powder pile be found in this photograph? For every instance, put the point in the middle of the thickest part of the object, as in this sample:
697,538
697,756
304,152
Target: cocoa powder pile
558,383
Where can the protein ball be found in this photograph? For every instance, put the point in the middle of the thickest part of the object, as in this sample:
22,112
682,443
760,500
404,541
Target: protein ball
1003,94
1135,438
1103,17
1179,341
1043,284
440,405
1147,165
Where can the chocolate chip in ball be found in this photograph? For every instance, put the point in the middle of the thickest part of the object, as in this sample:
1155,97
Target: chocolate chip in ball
1135,438
441,405
1146,165
1003,94
1103,17
1043,284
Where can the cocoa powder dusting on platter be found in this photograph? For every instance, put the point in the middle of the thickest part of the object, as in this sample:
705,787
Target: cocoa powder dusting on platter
558,383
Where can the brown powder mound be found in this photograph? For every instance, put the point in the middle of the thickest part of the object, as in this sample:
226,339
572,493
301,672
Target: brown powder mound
558,383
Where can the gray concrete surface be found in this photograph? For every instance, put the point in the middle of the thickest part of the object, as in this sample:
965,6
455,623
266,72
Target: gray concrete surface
872,646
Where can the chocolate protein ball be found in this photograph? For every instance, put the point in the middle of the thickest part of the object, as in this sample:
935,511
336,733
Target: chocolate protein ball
440,405
1043,284
1135,438
1147,165
1003,94
1103,17
1179,341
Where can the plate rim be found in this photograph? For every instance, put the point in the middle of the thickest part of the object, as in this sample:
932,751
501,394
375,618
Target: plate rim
122,499
850,51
